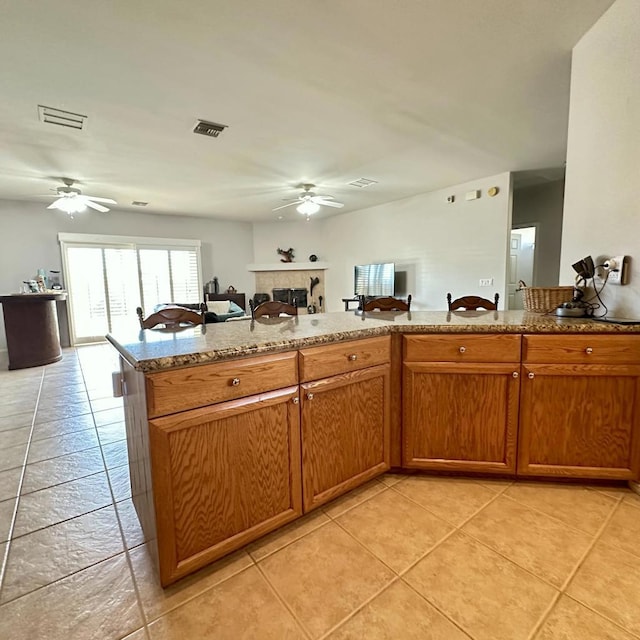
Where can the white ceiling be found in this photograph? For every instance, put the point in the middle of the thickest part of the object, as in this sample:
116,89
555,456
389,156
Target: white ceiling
416,94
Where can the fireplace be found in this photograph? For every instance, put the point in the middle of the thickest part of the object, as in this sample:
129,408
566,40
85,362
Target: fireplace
289,295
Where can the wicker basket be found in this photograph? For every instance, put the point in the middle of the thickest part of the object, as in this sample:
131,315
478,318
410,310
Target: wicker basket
544,299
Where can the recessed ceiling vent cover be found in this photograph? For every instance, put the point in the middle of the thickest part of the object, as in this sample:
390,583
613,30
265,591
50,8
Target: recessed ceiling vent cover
212,129
362,182
61,118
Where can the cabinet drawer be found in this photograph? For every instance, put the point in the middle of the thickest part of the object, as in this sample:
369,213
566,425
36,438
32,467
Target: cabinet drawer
329,360
181,389
582,349
462,348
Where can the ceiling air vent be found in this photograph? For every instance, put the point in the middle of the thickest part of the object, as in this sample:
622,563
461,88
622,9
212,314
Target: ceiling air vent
61,118
362,182
206,128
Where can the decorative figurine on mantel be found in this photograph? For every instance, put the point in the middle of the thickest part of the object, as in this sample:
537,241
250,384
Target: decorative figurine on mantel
288,255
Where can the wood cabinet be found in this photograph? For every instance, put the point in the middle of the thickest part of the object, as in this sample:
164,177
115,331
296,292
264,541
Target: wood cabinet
461,414
223,476
579,410
345,418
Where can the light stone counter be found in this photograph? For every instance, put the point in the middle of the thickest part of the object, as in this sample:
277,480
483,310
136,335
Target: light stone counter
152,350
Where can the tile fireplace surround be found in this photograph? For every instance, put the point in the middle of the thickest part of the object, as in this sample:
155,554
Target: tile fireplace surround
266,281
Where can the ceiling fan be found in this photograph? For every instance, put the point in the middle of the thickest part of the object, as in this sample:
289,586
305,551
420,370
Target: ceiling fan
70,200
309,202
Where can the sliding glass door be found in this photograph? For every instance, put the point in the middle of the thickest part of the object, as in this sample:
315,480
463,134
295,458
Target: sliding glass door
106,282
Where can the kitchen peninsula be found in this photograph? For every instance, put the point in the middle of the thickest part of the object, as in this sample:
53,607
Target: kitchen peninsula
235,429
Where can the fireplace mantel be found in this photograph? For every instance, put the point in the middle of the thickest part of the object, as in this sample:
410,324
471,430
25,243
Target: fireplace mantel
289,266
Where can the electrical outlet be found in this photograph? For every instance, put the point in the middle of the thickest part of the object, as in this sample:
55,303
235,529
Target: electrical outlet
486,282
618,269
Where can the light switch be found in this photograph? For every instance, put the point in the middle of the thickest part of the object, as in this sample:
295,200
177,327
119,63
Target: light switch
472,195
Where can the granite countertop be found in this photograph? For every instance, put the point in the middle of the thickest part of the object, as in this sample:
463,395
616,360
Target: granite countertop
153,350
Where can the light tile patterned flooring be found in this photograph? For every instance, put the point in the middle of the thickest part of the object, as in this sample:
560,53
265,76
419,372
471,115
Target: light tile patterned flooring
402,557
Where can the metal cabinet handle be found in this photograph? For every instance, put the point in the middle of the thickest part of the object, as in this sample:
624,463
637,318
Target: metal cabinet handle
296,400
235,382
353,357
515,374
462,349
309,396
588,351
531,375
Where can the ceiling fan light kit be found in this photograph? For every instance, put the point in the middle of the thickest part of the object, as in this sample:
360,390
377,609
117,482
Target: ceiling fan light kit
70,200
309,203
308,207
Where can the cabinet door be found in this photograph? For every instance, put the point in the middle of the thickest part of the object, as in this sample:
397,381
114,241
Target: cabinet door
580,421
345,433
224,475
460,416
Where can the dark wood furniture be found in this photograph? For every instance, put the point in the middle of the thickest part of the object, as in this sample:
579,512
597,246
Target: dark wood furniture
171,317
31,327
472,303
385,304
239,298
272,309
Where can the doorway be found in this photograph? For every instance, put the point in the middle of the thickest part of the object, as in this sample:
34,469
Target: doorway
522,262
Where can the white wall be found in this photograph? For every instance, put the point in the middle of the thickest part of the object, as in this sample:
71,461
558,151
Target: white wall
29,240
304,237
442,247
601,210
542,204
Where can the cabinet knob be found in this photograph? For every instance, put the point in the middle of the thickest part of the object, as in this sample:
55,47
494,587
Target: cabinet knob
309,396
531,375
353,357
296,400
588,351
462,349
515,374
235,382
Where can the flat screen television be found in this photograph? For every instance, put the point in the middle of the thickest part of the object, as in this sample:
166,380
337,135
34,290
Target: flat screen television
374,279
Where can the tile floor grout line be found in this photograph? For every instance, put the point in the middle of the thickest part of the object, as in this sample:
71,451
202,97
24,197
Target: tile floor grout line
596,537
562,591
437,608
396,578
544,513
369,551
5,555
583,559
633,634
72,573
150,621
475,513
284,603
284,546
406,570
328,504
123,539
544,615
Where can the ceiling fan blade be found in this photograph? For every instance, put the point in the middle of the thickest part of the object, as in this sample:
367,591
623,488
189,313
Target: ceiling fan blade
96,206
286,205
314,198
105,200
329,203
55,204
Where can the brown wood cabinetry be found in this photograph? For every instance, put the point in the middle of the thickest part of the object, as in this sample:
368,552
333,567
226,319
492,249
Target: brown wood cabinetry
461,415
223,476
579,409
345,420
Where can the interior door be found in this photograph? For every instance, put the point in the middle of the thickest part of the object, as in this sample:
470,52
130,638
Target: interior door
521,264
